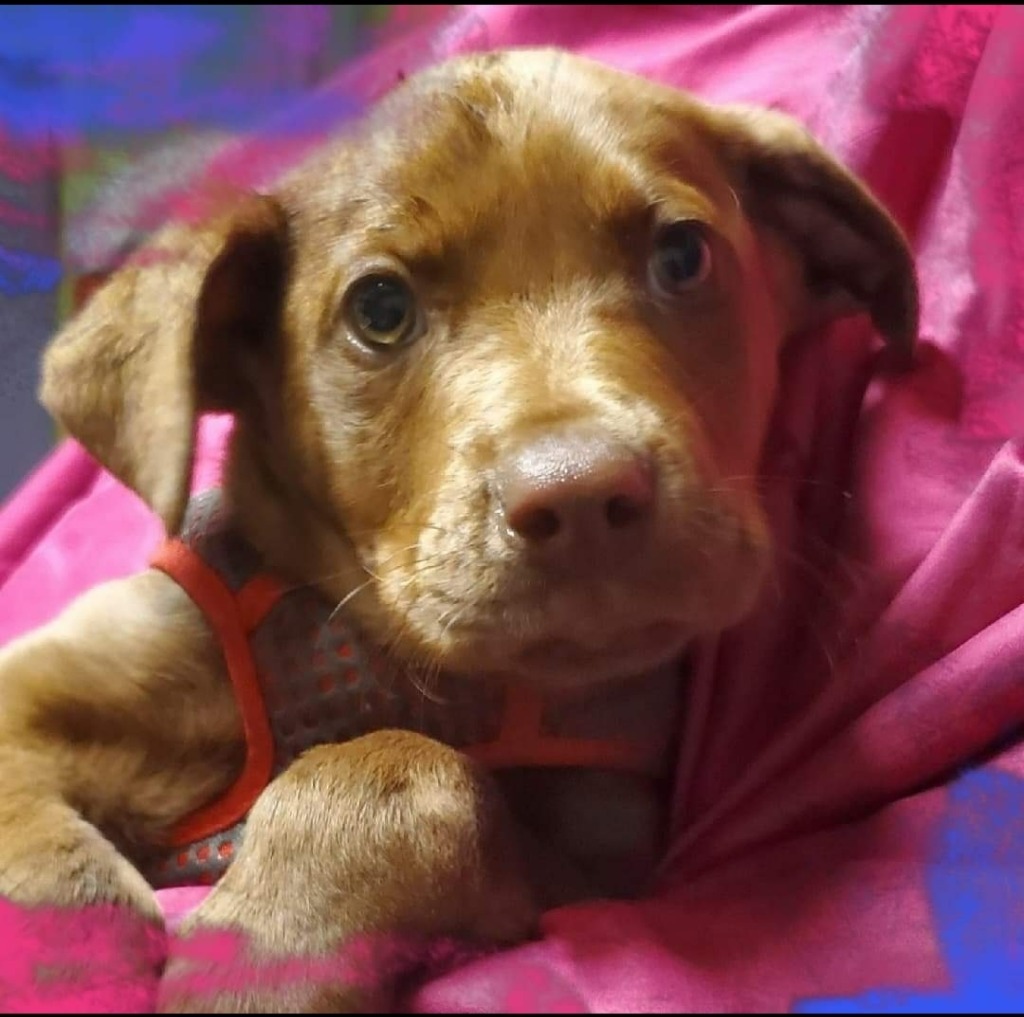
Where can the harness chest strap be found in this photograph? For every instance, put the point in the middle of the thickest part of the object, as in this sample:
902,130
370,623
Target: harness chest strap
233,617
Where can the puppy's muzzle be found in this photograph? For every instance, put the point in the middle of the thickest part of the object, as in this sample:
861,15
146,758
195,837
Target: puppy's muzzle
576,495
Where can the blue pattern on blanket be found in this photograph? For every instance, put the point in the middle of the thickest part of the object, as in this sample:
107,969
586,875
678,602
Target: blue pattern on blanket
975,885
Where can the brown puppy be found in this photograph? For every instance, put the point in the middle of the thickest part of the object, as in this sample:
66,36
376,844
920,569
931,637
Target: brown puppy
502,360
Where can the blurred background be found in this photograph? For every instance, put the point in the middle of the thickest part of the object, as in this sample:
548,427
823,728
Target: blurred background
105,110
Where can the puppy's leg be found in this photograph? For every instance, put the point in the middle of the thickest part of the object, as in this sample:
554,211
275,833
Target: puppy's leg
115,720
50,854
357,852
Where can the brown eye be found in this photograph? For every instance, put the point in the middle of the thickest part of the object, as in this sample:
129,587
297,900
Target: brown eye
381,311
681,259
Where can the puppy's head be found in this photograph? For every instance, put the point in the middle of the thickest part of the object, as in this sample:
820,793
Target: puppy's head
515,340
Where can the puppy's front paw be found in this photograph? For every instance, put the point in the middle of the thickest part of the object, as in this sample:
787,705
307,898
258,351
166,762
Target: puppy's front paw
82,928
54,859
357,863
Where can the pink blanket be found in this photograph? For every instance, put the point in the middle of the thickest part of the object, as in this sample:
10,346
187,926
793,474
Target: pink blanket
849,812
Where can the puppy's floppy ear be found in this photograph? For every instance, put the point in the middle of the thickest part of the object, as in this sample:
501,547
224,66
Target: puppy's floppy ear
844,253
160,343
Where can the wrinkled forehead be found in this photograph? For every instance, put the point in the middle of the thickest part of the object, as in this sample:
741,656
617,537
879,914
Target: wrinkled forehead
542,151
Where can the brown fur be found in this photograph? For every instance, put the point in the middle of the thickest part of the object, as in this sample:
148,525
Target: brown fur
518,193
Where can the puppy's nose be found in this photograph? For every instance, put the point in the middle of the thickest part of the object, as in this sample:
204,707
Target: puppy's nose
576,489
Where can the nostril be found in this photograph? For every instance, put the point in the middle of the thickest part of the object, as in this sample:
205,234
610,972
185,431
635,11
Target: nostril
535,524
623,510
574,489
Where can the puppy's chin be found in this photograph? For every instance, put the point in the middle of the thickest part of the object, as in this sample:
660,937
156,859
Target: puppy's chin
559,663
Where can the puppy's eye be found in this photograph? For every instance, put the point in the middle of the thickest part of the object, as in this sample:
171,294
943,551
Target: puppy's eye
681,258
381,311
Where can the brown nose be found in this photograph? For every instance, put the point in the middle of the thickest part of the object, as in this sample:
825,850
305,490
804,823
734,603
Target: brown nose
577,489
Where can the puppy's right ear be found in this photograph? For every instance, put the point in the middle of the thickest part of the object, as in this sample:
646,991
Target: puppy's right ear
160,343
837,249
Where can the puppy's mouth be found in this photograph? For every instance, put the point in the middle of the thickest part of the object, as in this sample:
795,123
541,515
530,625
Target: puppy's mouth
529,626
624,651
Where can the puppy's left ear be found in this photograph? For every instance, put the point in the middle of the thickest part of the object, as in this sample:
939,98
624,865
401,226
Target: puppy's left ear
168,337
841,252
